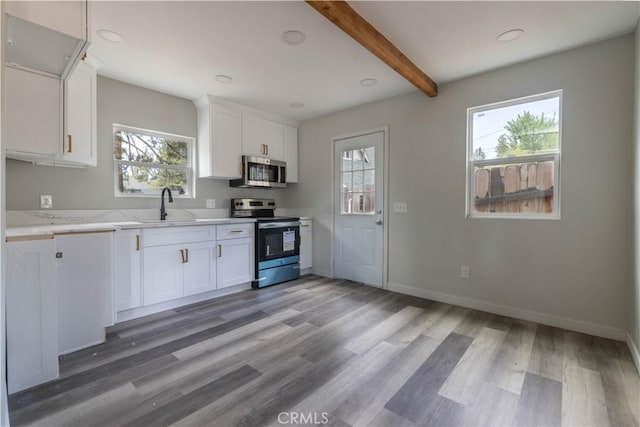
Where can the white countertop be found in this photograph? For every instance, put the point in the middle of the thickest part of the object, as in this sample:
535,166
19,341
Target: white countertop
35,230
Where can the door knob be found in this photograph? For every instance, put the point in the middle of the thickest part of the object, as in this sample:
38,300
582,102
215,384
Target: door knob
378,221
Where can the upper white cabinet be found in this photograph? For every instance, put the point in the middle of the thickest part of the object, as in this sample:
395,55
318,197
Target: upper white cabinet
67,17
65,113
219,140
273,139
290,152
253,135
226,131
33,115
32,314
80,135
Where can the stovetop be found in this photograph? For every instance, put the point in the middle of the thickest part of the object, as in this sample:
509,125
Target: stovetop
278,219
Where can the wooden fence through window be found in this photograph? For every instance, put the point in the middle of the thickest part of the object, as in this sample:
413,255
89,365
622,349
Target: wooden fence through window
524,188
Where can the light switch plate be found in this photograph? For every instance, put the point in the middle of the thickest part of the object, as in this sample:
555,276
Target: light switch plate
400,207
46,201
211,203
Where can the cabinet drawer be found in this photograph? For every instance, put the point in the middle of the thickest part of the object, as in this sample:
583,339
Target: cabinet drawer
178,235
235,231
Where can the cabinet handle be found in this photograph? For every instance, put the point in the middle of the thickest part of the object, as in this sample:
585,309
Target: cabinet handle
137,242
219,251
69,144
305,225
267,149
187,253
236,231
182,256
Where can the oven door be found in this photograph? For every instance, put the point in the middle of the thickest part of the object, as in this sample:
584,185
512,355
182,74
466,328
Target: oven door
277,241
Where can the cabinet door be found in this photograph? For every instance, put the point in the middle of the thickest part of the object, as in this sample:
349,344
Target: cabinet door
162,273
33,114
274,139
85,289
200,268
32,314
79,146
235,262
226,142
290,154
306,244
253,135
127,270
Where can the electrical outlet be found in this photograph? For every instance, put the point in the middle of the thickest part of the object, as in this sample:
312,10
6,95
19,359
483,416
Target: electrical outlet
464,272
400,207
46,201
211,203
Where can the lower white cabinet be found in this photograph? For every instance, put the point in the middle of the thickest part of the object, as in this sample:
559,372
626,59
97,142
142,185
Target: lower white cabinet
85,289
200,268
235,262
163,273
127,272
306,244
32,314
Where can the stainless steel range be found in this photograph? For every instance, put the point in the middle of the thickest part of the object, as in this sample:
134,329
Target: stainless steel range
277,241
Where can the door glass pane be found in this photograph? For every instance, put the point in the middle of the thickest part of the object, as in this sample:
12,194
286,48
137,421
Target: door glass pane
370,158
358,181
370,180
358,159
347,182
346,202
357,203
369,203
346,160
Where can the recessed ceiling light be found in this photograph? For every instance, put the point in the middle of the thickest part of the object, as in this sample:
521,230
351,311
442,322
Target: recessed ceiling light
368,82
296,105
510,35
293,37
221,78
110,36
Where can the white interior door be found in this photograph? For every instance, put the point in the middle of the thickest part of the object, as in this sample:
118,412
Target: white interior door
359,201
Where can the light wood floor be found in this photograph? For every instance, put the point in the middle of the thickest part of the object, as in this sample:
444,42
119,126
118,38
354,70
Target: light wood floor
339,352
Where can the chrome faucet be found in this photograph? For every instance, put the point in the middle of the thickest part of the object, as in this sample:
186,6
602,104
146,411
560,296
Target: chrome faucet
163,212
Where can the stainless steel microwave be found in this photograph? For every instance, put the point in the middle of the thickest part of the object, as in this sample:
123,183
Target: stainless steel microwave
261,172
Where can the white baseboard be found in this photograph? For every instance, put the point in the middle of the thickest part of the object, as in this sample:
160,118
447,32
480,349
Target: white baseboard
518,313
633,348
323,272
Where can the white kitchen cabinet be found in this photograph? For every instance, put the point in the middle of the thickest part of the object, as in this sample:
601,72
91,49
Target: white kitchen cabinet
290,152
274,139
235,262
163,274
85,288
32,314
33,115
253,137
306,244
219,141
128,269
59,108
79,145
200,268
68,17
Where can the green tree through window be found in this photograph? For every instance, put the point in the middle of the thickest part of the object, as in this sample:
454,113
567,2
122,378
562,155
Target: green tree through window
528,134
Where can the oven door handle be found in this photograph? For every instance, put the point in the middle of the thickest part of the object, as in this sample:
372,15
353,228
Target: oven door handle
278,224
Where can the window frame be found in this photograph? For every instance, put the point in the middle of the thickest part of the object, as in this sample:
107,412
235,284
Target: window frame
555,157
190,165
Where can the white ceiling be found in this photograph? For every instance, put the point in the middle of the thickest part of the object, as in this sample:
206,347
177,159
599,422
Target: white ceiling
178,47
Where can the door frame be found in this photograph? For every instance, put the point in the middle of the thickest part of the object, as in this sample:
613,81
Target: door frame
385,196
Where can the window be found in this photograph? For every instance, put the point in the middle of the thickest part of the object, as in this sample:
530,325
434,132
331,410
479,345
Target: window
513,158
147,161
358,181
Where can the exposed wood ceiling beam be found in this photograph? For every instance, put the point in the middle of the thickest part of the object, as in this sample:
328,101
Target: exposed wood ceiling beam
346,18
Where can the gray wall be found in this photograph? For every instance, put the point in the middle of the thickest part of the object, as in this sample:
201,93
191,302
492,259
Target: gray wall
634,324
576,268
92,188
